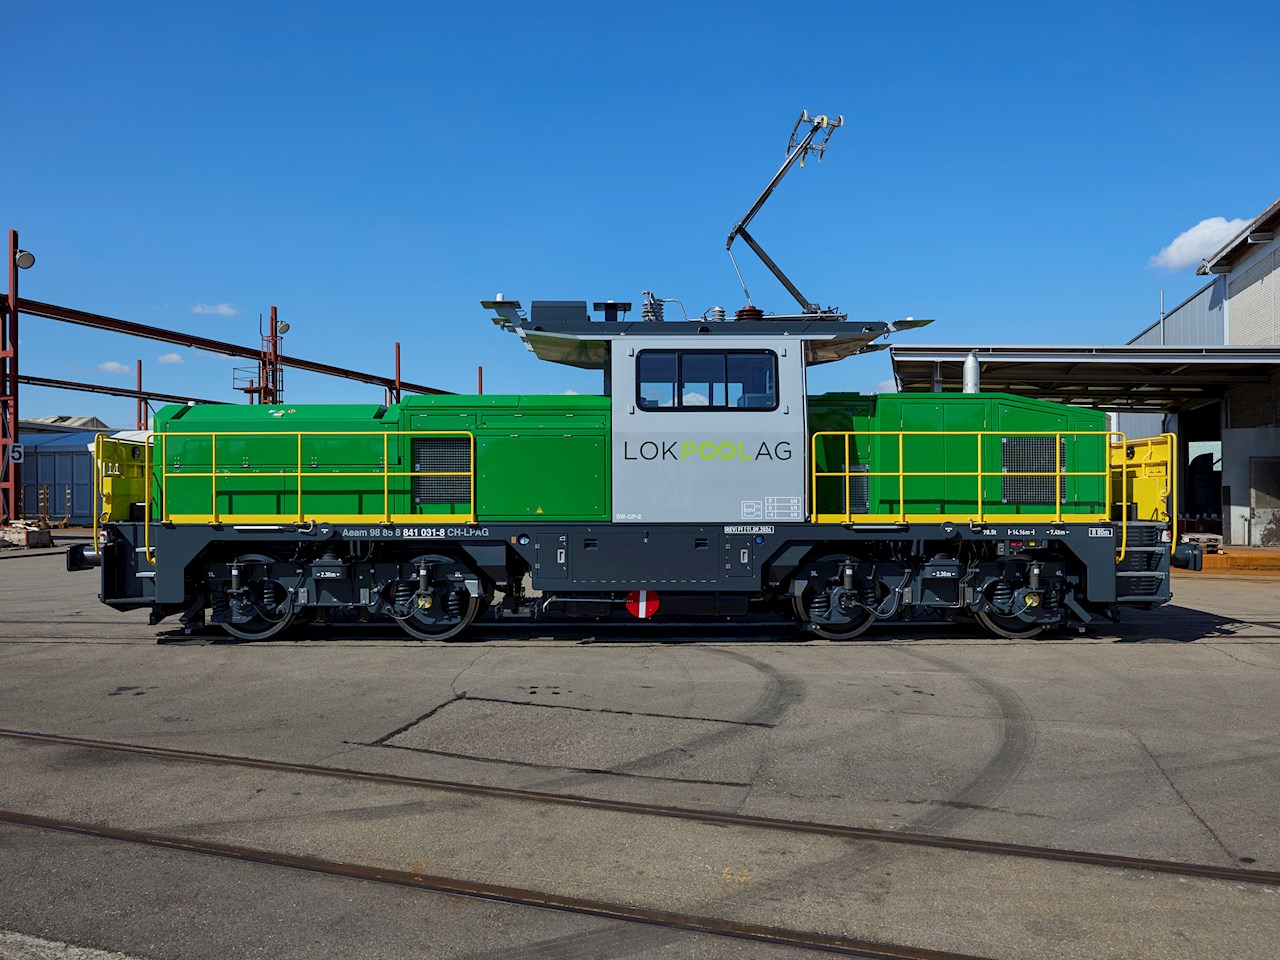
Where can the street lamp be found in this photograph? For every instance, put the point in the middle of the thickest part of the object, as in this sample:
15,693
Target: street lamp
10,448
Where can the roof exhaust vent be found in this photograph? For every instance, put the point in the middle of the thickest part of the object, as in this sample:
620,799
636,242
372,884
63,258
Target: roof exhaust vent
972,376
611,309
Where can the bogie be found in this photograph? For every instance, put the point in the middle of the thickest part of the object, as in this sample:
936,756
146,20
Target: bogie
253,604
439,602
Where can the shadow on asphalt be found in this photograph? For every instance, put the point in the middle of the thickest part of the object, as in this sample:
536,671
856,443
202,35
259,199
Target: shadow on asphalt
1176,624
1169,624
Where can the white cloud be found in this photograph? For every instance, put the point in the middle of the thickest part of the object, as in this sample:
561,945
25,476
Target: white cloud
887,386
570,393
221,309
113,366
1198,243
169,358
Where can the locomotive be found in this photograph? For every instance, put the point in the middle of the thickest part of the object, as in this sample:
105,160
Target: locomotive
704,481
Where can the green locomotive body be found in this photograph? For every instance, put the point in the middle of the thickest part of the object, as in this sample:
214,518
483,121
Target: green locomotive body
546,458
705,482
410,462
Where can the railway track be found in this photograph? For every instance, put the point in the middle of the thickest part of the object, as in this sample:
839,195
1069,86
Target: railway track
600,909
989,847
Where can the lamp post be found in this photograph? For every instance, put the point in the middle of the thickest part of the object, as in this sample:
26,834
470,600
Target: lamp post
10,451
272,389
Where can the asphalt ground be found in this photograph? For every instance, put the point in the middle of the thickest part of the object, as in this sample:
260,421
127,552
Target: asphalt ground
1158,738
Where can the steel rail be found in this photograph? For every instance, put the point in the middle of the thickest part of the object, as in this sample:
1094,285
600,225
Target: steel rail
51,311
108,390
871,834
782,936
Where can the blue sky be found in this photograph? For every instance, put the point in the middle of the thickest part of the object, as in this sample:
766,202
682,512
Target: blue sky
376,169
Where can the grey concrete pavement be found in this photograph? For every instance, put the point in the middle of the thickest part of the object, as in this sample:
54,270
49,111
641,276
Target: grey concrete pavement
162,905
1164,745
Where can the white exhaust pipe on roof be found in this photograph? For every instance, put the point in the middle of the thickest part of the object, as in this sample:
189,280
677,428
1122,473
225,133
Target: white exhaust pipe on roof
972,373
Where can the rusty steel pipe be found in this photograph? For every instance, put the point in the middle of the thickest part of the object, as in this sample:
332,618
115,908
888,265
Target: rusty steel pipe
50,311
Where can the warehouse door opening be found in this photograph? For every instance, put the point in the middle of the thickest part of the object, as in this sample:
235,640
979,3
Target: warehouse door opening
1264,501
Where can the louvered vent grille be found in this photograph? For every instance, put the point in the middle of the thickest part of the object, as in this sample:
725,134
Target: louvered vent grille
859,492
442,455
1030,455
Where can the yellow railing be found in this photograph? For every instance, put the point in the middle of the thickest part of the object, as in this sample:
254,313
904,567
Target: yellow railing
1139,469
298,475
1146,468
118,480
97,504
981,513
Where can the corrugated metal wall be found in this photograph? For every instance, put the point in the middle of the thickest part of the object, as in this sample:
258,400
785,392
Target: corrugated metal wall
63,464
1136,426
1196,322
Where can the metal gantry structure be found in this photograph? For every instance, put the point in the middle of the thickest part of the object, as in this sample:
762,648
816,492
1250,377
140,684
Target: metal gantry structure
269,358
10,451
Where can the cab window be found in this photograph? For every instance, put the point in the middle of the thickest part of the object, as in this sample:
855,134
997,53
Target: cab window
707,380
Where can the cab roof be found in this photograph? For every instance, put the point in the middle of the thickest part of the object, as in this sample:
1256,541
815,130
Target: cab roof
562,331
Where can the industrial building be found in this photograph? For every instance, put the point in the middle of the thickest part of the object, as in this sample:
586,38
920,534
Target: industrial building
1249,266
57,468
1207,370
1233,465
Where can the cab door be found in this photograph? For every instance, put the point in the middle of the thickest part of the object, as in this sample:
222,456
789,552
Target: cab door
708,430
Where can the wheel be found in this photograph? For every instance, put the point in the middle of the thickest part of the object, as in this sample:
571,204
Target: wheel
268,619
859,619
858,623
443,612
421,625
1011,628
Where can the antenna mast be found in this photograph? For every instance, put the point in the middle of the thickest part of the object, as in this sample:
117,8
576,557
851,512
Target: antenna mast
796,150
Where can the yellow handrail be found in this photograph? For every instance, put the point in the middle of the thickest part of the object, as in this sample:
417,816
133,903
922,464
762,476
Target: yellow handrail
1149,459
387,516
1173,493
146,509
1122,468
979,474
97,484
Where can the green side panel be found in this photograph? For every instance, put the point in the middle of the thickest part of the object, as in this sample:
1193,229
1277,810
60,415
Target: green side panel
924,448
537,457
256,461
840,412
543,476
1076,453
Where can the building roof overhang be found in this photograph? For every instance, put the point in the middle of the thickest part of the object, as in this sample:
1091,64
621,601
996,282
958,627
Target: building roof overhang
1261,230
1122,378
